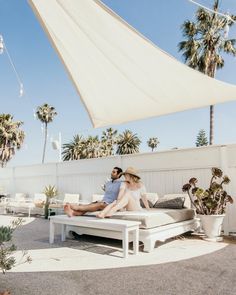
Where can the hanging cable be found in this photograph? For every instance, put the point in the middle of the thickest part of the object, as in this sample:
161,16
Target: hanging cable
228,17
2,48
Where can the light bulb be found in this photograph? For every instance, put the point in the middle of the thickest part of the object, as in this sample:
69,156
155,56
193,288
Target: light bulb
1,44
21,90
226,31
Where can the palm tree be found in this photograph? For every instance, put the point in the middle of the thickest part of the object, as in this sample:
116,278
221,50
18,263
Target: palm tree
128,143
74,150
205,40
45,114
92,145
153,142
108,140
11,137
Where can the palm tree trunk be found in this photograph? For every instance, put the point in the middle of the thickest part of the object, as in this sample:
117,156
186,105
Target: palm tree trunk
212,71
45,141
211,137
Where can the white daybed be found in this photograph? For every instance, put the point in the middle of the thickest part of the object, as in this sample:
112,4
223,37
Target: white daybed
156,225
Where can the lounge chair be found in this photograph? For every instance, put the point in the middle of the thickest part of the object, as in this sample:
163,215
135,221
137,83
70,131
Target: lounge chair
18,203
57,205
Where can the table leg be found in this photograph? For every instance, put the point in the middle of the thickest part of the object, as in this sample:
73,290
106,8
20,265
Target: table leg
125,243
51,232
63,232
136,241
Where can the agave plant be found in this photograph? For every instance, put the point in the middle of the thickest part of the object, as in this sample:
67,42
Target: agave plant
210,201
50,191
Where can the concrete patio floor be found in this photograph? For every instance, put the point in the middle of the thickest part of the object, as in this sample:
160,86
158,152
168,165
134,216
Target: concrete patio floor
64,267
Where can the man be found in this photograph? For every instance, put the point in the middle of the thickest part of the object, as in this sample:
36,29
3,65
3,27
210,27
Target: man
112,190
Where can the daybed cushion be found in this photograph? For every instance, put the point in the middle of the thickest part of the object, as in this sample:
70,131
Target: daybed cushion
154,217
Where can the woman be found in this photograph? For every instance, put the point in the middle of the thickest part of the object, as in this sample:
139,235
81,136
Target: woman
129,198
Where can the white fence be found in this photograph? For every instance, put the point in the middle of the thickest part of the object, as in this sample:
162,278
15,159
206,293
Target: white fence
162,172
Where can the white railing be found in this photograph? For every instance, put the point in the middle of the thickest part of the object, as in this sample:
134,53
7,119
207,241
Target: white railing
162,172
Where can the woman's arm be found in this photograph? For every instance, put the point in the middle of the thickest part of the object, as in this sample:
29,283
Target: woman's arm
145,200
144,197
121,191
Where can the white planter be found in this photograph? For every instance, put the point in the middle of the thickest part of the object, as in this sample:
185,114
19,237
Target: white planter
212,225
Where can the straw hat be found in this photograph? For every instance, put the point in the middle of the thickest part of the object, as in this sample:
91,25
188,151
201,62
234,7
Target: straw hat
131,171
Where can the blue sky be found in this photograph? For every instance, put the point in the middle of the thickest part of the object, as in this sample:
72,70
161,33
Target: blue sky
45,79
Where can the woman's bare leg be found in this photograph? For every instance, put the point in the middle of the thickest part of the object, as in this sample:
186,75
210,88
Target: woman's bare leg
127,201
103,213
119,205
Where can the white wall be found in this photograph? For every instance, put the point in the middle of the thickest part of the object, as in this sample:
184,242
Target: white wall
162,172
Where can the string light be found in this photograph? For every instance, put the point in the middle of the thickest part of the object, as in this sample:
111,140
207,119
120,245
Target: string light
4,48
228,17
1,44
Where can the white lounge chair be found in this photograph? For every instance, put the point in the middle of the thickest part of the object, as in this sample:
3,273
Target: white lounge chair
18,203
97,197
59,204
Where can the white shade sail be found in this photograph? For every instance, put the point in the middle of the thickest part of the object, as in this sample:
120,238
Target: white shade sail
120,75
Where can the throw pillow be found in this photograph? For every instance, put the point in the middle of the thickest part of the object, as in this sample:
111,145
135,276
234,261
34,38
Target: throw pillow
176,203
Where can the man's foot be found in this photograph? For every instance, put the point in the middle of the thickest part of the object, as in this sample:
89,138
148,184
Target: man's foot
68,210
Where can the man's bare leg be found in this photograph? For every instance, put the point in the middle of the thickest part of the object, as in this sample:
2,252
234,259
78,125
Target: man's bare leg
90,207
70,212
78,210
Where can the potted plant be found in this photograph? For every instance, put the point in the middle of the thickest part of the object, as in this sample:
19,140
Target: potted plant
7,261
210,203
50,191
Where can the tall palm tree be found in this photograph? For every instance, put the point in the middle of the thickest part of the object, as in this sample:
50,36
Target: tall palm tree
108,140
45,114
11,137
153,142
75,149
128,143
205,40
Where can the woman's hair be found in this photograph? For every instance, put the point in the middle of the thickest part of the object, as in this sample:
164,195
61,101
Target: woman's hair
134,178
